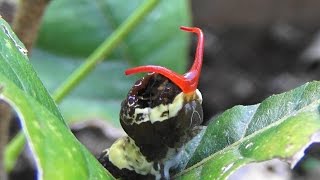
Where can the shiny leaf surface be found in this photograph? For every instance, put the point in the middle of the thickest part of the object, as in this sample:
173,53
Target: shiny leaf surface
56,151
282,126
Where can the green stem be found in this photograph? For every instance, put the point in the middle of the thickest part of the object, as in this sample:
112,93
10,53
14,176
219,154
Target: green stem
14,148
103,50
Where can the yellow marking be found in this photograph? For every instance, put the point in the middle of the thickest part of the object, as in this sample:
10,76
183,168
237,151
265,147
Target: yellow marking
125,154
154,114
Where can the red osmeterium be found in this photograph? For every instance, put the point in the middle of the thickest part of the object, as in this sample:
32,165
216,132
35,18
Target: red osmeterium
187,82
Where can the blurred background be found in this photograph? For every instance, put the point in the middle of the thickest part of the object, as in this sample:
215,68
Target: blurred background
256,48
253,49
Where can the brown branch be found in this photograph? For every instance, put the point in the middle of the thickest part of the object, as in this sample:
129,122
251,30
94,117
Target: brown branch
5,116
27,20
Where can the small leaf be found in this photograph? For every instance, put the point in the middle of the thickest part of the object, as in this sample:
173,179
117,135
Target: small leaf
280,127
57,153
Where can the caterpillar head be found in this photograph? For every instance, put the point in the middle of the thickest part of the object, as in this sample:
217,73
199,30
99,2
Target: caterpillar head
162,109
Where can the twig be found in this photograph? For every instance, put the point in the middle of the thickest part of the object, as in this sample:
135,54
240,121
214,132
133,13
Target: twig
27,20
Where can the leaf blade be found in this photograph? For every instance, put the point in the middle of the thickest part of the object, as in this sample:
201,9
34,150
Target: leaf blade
287,123
56,151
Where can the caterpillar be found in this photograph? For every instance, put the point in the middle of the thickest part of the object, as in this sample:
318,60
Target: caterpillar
160,114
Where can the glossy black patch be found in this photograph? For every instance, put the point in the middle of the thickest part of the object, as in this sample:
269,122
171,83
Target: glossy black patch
149,91
154,139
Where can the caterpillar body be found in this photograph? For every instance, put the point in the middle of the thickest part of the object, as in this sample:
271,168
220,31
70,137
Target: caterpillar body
161,113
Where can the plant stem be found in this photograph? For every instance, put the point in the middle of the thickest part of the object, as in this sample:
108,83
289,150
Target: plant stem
103,50
14,148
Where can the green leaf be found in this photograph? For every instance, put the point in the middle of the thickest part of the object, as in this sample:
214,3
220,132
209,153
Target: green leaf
280,127
56,151
72,29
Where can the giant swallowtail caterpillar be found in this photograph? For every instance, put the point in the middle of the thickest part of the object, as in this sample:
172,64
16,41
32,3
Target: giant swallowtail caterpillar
160,115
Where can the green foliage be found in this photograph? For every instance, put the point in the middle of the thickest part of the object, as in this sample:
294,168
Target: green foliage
100,96
72,29
56,151
281,127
